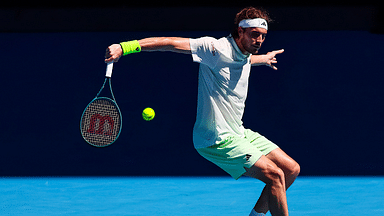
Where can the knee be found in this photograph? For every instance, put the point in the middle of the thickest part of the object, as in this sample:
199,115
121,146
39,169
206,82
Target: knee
295,169
275,176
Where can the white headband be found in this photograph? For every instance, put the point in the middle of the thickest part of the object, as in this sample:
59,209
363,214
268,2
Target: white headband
254,23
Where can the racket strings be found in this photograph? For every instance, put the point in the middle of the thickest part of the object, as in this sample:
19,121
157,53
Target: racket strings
101,122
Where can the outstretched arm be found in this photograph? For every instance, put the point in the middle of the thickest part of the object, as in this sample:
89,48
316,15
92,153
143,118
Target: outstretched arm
267,59
173,44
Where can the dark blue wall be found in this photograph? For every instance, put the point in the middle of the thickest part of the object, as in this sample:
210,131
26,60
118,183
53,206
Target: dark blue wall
324,106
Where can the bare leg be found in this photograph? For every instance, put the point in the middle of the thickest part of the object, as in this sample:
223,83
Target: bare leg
268,172
291,170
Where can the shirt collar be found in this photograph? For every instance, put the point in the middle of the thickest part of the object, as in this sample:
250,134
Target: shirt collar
238,52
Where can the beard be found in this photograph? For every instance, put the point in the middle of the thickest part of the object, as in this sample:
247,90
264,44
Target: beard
251,48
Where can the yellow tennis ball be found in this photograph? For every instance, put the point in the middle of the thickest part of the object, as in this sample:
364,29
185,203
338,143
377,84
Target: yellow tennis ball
148,114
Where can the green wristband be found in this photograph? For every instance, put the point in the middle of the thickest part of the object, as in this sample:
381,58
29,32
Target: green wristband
130,47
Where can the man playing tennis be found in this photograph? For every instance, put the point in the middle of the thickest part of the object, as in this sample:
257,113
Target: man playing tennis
218,134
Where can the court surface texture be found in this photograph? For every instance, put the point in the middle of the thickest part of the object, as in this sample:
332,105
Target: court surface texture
313,196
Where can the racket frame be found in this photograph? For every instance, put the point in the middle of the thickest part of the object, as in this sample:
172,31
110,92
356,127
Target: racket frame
113,100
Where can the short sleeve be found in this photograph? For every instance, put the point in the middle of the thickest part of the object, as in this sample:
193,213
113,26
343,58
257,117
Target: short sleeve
204,51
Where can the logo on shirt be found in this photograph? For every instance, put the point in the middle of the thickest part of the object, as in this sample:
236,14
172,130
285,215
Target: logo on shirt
213,49
247,156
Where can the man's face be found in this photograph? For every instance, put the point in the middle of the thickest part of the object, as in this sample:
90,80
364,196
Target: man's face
251,39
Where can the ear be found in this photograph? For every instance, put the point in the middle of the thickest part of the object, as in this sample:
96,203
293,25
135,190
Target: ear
240,30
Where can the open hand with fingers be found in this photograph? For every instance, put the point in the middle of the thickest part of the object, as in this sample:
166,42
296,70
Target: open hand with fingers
271,58
268,59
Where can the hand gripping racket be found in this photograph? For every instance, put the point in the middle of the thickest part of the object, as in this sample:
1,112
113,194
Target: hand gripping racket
101,121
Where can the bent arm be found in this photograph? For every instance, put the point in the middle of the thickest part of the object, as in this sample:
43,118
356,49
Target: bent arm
173,44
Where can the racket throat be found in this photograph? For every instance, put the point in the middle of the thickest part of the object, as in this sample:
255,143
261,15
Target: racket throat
110,88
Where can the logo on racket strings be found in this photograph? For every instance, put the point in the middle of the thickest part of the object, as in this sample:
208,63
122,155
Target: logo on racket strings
101,120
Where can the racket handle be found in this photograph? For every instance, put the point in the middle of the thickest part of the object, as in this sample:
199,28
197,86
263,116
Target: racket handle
109,70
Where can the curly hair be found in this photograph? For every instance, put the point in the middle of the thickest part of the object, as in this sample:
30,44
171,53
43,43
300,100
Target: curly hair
249,13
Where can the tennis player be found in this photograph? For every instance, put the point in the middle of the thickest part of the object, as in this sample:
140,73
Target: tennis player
219,134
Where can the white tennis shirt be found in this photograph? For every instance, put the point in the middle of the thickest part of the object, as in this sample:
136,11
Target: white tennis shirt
222,91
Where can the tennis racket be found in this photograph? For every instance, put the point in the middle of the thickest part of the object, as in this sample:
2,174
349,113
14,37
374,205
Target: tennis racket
100,124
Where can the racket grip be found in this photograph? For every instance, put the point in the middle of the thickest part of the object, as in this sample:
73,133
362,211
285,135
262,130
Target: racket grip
109,70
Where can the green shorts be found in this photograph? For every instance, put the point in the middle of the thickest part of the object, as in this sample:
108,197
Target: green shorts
235,153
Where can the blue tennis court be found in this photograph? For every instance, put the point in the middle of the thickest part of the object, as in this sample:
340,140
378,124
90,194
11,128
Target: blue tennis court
184,196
